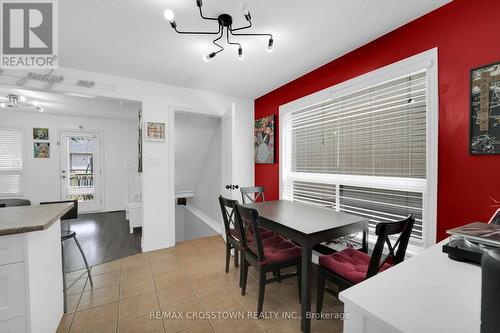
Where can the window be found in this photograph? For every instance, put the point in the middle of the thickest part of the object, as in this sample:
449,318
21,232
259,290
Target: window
367,146
11,162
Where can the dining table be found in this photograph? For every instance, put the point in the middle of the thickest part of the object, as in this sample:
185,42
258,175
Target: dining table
309,225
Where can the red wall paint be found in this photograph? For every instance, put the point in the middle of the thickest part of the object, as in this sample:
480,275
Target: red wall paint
466,34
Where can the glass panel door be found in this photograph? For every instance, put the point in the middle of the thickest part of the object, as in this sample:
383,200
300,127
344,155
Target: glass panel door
80,169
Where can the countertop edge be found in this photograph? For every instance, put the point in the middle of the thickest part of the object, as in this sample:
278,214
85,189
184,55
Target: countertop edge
40,227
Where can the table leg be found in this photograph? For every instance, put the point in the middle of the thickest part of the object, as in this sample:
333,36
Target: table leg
306,287
365,237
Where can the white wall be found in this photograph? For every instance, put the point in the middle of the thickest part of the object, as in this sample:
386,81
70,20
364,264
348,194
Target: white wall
43,176
157,101
208,183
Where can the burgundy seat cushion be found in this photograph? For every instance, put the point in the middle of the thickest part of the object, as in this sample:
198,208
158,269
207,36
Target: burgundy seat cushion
279,249
350,264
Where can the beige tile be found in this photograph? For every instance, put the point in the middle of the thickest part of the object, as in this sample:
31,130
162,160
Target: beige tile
221,301
204,327
134,274
169,279
159,256
112,266
98,297
104,280
77,287
72,303
326,326
65,323
180,293
138,306
141,325
286,326
232,325
139,260
99,319
136,288
185,311
75,275
163,266
205,286
184,248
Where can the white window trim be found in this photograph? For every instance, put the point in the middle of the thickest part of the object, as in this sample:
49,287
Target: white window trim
24,183
426,60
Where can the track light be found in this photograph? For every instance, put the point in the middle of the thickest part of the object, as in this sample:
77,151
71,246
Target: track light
270,45
170,17
240,54
40,109
199,3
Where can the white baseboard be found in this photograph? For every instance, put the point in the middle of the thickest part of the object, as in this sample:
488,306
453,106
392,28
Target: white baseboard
156,246
216,226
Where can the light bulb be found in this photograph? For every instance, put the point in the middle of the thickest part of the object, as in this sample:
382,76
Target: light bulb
169,15
270,45
3,105
244,8
209,57
240,54
22,98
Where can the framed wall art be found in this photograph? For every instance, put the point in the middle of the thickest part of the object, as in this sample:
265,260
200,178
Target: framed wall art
485,110
155,131
264,140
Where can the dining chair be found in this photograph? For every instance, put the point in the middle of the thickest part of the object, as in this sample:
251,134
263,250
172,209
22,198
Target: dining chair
265,255
252,194
66,235
233,233
350,266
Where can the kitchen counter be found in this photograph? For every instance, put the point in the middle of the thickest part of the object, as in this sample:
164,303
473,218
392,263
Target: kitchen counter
31,278
17,220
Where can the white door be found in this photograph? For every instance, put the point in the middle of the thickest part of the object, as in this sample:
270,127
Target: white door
81,171
228,189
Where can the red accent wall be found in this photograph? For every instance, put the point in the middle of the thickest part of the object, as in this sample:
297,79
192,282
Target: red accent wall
466,34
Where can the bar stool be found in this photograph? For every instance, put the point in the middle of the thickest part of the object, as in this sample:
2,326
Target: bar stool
65,235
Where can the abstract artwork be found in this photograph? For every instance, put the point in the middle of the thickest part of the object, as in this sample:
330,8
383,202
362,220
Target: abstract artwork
485,110
155,131
264,140
41,149
40,133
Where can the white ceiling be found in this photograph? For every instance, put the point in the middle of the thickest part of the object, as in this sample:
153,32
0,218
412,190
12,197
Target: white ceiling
72,105
131,38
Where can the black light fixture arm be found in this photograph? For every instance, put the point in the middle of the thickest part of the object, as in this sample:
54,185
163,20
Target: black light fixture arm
197,32
224,21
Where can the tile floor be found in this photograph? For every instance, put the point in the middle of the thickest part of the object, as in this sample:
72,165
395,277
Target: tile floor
184,280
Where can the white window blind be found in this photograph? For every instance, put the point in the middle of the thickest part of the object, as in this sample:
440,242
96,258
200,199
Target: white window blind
11,162
363,152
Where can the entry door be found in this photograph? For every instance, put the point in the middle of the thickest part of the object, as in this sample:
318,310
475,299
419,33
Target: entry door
81,171
229,188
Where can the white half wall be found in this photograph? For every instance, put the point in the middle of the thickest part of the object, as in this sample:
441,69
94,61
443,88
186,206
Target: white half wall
43,176
157,99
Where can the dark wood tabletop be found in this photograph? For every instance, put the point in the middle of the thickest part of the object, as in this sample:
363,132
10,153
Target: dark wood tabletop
305,219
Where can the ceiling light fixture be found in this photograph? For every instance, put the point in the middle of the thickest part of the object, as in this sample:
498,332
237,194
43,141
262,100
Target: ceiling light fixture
14,101
225,23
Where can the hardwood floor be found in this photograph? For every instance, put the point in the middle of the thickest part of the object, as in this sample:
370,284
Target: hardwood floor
104,237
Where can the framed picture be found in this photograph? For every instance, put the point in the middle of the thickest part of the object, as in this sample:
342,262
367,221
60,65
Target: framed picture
264,140
485,110
41,149
155,131
40,133
495,219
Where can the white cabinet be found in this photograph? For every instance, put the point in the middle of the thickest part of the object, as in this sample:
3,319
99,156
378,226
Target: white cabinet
31,295
16,325
12,291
